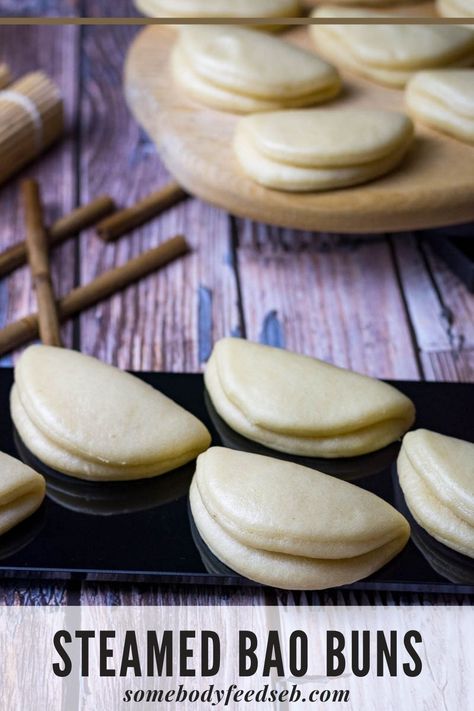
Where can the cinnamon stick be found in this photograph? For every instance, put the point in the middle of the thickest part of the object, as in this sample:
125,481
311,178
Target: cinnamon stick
5,77
79,219
38,258
83,297
126,220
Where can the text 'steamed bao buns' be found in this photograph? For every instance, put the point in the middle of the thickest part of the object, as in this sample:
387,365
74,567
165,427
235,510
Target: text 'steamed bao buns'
244,71
300,405
436,474
219,8
444,100
455,8
390,54
92,421
22,491
284,525
321,149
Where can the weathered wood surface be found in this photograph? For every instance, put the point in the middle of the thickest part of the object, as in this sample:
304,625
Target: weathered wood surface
387,307
39,8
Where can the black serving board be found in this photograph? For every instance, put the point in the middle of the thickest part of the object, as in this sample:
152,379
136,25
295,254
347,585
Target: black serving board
141,531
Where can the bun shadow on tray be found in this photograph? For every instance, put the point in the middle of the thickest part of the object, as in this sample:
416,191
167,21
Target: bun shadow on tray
109,498
349,469
454,566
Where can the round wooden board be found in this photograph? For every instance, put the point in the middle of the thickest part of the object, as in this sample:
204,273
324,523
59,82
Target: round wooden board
433,188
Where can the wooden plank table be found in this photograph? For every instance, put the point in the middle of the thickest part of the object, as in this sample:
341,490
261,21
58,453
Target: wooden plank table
384,306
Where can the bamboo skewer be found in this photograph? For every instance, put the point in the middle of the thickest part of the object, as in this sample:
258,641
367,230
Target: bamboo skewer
38,258
79,219
83,297
31,120
124,221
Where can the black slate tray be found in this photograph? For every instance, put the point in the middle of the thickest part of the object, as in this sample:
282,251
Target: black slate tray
142,531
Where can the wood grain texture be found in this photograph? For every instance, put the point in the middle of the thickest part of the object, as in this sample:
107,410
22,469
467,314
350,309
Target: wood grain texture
433,186
337,299
449,366
162,323
441,311
39,8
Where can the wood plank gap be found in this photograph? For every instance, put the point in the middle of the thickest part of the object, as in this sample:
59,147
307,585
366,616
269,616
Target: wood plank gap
411,327
447,313
234,246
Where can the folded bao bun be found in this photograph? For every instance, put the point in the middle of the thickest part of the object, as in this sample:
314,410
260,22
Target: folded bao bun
436,474
443,99
219,8
455,8
90,420
390,54
370,3
321,149
243,71
284,525
301,405
22,491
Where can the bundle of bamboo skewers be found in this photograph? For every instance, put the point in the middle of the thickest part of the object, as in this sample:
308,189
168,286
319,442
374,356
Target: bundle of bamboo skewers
31,119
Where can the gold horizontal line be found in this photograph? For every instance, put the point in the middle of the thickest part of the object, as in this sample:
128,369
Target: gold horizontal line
290,21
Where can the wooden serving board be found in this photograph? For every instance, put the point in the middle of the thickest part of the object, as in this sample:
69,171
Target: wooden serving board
434,187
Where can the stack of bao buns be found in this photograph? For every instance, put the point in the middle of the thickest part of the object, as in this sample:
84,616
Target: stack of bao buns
443,99
455,8
285,525
390,54
436,474
22,491
300,405
321,149
89,420
272,9
444,8
242,71
277,9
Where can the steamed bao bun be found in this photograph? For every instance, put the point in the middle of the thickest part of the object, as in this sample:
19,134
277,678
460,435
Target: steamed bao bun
300,405
436,474
22,491
443,99
89,420
455,8
285,525
370,3
390,54
321,149
219,8
243,71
